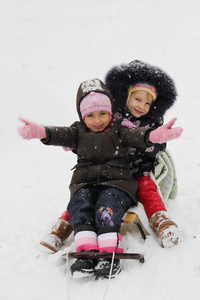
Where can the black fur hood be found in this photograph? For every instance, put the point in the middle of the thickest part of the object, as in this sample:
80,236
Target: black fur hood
120,78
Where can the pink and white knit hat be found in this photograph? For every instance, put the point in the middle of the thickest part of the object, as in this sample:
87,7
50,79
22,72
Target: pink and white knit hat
95,101
142,87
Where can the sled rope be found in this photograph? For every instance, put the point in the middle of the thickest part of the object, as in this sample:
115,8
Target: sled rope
108,282
67,257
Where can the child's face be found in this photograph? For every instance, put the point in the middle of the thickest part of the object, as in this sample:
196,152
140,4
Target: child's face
139,103
97,121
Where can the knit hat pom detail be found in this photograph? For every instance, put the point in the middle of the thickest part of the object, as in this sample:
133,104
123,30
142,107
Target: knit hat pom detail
95,101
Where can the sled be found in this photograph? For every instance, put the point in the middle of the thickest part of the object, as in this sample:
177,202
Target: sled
93,254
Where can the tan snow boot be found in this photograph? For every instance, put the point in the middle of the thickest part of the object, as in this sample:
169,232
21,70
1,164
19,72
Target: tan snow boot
55,240
166,230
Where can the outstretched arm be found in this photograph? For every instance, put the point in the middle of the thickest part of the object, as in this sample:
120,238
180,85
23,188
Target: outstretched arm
52,135
165,133
132,137
31,130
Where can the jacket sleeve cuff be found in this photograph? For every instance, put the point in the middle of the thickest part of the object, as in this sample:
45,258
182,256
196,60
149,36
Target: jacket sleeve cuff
48,138
146,137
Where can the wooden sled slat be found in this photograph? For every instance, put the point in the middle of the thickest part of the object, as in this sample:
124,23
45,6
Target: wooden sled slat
130,218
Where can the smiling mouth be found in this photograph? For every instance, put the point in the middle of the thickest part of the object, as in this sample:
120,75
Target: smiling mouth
138,112
98,127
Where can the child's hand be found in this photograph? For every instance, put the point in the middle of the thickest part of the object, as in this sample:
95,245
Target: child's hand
31,130
165,133
67,148
128,123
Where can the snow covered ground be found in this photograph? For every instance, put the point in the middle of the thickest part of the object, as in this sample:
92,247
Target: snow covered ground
47,48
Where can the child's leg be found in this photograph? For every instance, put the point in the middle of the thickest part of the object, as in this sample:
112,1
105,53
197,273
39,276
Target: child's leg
81,207
165,229
110,208
81,213
85,240
111,205
148,195
65,216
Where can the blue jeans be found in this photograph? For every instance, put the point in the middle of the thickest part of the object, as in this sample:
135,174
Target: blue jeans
98,207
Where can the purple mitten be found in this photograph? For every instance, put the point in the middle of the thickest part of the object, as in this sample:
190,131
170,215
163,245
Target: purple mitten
165,133
31,130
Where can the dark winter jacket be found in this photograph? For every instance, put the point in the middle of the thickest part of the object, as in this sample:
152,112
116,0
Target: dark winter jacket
119,79
101,157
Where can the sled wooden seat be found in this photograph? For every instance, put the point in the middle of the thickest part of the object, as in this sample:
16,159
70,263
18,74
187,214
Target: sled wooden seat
130,218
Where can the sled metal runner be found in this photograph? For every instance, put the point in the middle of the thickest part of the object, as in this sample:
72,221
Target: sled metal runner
93,254
132,218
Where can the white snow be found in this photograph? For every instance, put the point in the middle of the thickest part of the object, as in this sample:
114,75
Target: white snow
47,49
91,83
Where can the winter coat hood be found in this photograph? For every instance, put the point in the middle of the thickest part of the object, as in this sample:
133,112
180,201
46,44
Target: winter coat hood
91,85
120,78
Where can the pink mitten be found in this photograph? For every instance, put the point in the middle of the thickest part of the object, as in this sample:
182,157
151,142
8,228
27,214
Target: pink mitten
128,123
165,133
31,130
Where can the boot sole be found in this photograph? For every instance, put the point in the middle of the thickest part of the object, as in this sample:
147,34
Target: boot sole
82,274
105,275
47,248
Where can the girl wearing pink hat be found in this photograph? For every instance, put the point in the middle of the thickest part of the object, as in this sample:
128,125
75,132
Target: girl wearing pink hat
142,94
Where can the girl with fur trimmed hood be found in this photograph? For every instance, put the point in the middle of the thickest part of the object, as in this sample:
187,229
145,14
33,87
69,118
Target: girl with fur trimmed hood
102,186
142,93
